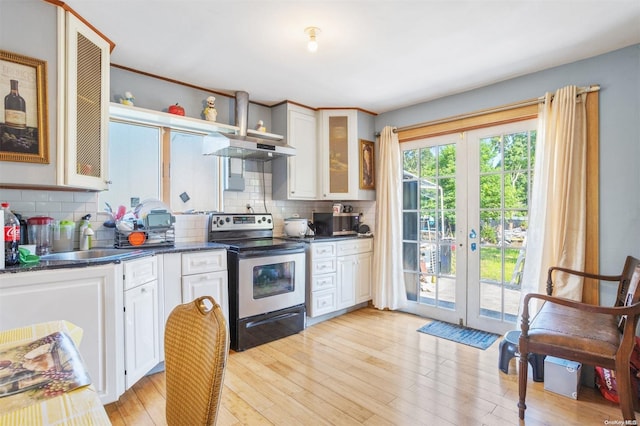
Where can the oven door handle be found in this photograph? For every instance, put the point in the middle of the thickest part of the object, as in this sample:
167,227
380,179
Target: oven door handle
268,253
272,319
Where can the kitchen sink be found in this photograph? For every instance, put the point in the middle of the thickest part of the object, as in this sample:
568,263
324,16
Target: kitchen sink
89,255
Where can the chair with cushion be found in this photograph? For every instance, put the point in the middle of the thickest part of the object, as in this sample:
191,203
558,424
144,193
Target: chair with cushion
591,334
196,349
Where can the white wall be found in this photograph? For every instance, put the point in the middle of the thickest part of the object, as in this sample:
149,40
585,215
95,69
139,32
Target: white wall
29,28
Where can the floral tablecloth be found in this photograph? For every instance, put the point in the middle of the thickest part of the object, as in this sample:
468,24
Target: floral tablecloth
80,406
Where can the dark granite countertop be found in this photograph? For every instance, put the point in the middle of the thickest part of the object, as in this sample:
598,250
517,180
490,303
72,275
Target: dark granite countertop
127,254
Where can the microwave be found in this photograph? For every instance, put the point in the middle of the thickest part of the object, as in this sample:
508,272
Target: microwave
330,224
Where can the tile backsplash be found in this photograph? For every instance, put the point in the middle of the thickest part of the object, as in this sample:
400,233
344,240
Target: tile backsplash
72,205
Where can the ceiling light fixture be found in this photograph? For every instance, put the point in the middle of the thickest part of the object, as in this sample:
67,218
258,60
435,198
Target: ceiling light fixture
312,45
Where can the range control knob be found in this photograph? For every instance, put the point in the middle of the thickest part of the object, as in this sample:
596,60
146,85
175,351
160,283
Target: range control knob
227,219
220,222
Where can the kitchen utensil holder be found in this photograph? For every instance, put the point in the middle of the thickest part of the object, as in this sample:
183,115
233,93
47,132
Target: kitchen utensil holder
154,238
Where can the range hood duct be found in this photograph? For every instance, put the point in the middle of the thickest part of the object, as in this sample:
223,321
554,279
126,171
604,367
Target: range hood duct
242,145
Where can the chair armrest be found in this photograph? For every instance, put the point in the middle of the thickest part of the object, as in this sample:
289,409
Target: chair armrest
632,310
579,273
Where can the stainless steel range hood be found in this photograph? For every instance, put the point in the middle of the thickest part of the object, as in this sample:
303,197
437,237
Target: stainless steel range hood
242,146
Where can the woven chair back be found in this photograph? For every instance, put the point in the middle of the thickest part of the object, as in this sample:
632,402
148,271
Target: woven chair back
196,349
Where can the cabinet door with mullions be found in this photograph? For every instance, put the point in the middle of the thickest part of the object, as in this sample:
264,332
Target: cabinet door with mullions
85,122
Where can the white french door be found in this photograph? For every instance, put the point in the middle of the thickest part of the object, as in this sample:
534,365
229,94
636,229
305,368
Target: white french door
465,213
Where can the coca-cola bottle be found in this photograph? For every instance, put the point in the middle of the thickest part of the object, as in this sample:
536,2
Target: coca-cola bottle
11,236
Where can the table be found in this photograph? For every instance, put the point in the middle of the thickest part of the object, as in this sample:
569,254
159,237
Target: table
79,406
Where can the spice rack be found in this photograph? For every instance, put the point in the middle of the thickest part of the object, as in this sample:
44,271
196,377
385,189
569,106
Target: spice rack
153,238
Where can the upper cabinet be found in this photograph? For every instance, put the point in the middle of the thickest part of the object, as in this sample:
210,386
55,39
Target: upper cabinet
295,178
83,119
341,154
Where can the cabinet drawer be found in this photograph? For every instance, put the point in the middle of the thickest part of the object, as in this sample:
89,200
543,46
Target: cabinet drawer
140,271
204,261
323,250
322,302
355,246
323,282
323,266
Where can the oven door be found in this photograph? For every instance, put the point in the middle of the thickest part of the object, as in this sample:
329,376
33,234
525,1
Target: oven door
270,281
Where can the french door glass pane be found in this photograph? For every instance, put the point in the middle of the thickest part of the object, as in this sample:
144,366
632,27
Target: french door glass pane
429,203
505,181
410,195
410,226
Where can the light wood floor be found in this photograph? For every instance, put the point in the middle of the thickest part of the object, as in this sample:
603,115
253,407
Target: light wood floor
371,367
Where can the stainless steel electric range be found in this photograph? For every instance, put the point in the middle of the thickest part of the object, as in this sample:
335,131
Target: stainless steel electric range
266,278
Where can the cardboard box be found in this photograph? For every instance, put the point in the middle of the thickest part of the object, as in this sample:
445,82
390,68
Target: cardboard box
562,376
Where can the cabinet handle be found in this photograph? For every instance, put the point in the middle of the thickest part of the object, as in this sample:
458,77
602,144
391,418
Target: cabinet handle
143,290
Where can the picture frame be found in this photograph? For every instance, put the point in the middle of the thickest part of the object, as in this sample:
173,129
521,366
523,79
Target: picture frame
367,164
24,136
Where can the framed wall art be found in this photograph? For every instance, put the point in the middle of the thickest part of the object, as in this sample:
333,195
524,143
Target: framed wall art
23,114
367,165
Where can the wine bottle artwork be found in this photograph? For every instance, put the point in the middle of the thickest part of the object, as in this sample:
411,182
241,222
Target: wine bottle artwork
15,109
23,120
16,136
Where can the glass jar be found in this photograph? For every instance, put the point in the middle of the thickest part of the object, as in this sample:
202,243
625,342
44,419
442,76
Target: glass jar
40,233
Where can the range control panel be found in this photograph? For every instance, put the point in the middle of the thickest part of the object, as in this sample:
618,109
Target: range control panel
240,221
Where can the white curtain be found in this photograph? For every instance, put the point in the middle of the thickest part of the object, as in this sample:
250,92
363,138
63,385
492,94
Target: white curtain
388,280
557,219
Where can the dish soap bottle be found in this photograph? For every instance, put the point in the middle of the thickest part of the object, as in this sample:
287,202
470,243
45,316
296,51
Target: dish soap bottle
85,233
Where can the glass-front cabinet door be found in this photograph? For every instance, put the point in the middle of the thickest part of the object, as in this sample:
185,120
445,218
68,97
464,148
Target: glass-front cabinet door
83,127
338,154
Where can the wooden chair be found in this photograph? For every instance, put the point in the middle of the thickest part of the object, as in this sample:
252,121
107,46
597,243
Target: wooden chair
196,350
591,334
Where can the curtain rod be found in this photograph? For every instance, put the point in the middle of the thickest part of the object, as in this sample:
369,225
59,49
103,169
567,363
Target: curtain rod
528,102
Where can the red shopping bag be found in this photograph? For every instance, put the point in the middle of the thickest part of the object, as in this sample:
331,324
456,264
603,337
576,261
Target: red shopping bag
606,379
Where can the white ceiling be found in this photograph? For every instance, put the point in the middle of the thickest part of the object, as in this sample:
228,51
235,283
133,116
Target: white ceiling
378,55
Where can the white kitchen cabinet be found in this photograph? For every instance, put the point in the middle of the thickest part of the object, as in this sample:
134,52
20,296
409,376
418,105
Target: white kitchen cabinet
322,292
354,273
354,276
83,104
141,323
204,273
363,280
347,276
170,280
295,178
339,133
340,275
89,297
